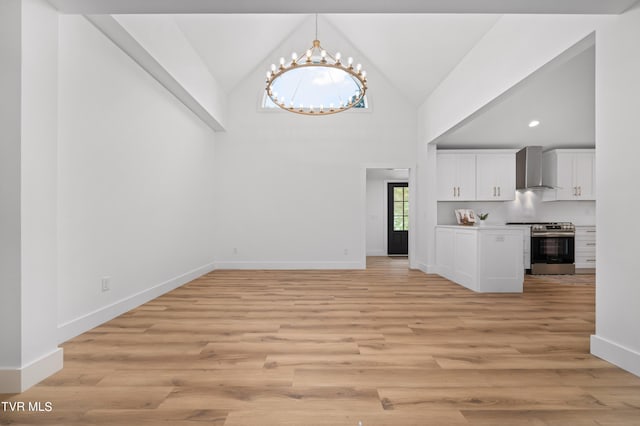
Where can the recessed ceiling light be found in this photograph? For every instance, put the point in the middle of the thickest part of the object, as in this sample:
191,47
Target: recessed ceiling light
534,123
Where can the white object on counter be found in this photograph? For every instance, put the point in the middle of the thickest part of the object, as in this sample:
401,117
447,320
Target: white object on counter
486,259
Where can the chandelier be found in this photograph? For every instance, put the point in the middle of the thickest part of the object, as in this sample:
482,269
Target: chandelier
316,83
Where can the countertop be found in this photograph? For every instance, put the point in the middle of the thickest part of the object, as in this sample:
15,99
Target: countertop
484,227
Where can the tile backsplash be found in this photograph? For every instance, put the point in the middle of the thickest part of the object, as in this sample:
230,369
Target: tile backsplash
527,207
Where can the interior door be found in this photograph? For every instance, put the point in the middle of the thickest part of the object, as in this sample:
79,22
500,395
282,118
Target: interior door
398,218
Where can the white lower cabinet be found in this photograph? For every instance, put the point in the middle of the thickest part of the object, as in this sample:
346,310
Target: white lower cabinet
526,244
483,259
585,248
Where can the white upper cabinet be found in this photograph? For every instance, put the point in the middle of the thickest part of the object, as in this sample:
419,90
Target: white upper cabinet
571,172
456,175
476,176
495,177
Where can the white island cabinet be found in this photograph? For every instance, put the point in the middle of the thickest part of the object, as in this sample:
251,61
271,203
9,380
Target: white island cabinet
485,259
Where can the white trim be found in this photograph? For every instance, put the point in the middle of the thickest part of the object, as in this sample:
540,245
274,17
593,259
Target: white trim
623,357
290,265
20,379
423,267
377,253
93,319
427,269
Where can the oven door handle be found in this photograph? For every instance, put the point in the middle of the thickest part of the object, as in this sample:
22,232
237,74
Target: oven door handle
553,234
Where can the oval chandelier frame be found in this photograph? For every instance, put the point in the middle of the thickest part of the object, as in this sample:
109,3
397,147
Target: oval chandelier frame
317,56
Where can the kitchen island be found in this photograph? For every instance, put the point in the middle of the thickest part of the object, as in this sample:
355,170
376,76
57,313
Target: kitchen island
485,259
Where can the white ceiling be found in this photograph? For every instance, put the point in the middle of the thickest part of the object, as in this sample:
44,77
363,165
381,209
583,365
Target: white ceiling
341,6
414,52
414,44
233,45
561,98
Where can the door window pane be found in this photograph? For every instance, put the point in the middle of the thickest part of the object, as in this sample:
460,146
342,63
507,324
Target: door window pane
398,194
398,208
401,209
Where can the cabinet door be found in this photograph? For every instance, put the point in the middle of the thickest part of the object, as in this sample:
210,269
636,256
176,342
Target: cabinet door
566,183
465,258
486,180
504,166
466,177
584,172
444,252
495,177
446,177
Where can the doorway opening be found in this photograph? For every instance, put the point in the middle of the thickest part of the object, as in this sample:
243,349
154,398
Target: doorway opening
389,204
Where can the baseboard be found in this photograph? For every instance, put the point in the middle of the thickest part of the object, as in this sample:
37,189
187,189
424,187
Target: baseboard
20,379
376,253
93,319
623,357
257,265
427,269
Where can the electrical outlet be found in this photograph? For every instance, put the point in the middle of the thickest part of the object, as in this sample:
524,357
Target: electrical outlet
106,284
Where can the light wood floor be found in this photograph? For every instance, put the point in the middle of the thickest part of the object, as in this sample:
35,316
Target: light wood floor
385,346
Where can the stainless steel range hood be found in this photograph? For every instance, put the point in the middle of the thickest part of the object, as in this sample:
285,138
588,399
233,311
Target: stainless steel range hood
529,168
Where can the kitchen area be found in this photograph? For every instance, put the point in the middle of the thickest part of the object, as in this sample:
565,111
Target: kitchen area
524,166
538,209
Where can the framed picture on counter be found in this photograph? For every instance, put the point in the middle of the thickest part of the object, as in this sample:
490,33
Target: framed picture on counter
465,216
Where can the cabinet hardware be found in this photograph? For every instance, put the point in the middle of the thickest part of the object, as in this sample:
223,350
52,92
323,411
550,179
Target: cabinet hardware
580,191
592,232
591,244
458,191
454,191
591,260
494,191
575,191
498,191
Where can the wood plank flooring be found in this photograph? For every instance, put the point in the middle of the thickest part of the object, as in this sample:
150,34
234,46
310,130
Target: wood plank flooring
385,346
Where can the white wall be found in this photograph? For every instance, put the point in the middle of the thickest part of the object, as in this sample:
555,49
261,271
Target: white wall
527,207
183,70
376,216
28,225
135,183
10,260
39,172
294,186
617,337
377,213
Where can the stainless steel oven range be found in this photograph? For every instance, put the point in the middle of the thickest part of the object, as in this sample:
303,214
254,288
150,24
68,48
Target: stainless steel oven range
553,248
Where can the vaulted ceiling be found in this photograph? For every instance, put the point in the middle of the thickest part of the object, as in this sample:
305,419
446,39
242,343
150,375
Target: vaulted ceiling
414,52
413,45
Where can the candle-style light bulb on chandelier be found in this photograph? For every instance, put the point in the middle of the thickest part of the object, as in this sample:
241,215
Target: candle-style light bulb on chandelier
329,84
